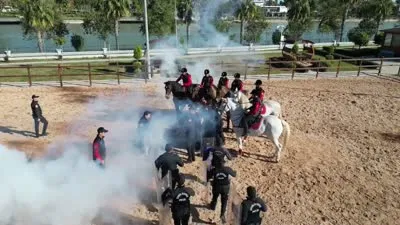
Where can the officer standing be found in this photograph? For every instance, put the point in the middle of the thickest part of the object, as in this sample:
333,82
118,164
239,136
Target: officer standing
193,132
252,206
37,116
99,147
169,161
221,186
180,207
143,128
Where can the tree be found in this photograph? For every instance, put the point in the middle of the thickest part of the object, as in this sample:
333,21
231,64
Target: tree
300,15
58,33
346,6
4,3
185,14
246,11
114,10
77,42
358,37
368,26
255,27
222,26
39,17
329,15
160,15
376,10
379,38
96,23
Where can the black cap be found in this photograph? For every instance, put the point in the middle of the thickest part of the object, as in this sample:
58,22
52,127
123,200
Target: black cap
168,147
181,180
224,74
258,82
183,70
237,75
251,192
35,96
101,130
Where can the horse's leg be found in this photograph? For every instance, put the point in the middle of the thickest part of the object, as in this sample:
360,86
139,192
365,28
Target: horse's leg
273,130
239,140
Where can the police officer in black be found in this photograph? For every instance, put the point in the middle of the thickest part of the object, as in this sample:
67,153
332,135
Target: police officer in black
220,186
143,127
180,197
169,161
252,206
37,116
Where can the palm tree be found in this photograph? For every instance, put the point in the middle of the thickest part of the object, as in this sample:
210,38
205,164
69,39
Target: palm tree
300,16
39,17
185,13
346,6
115,10
379,9
246,11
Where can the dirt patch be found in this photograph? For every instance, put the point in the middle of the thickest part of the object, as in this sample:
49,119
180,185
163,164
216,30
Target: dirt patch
341,165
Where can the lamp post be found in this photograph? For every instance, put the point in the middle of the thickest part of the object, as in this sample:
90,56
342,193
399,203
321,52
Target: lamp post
176,26
146,24
281,28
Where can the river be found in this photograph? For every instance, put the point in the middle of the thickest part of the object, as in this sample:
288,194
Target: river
11,37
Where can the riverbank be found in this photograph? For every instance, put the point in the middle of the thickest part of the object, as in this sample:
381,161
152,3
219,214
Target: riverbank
17,20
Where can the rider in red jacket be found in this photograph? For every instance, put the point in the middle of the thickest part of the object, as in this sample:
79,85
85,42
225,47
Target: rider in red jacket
258,91
252,116
223,81
237,83
186,78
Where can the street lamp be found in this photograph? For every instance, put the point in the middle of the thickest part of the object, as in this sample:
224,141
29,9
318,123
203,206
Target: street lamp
146,24
281,28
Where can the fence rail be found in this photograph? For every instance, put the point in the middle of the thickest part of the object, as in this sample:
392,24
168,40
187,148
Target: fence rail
265,69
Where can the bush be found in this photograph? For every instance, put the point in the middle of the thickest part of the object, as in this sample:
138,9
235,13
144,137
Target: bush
358,37
276,37
137,66
379,38
77,42
137,53
295,48
329,57
329,49
59,41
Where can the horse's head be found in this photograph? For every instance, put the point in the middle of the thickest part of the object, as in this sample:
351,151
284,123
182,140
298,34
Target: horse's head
226,105
168,89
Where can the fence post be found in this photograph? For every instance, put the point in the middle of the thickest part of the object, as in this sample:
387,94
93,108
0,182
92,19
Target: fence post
293,69
29,75
359,67
245,72
118,72
59,74
269,68
338,67
380,67
319,66
90,75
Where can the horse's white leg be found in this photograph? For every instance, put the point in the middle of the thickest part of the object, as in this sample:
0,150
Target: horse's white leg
239,140
274,130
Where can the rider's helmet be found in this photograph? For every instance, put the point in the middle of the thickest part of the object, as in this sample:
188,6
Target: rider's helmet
183,70
224,74
237,75
258,82
206,71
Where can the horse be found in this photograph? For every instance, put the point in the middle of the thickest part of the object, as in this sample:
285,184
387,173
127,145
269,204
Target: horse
272,126
272,107
179,93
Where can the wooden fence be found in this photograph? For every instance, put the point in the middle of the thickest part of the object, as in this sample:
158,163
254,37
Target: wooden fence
269,68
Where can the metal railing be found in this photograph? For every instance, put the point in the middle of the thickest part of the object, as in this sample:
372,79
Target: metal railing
270,69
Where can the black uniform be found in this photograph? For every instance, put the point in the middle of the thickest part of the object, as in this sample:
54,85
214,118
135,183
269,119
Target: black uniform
169,162
220,186
193,132
38,117
212,127
143,126
251,209
180,206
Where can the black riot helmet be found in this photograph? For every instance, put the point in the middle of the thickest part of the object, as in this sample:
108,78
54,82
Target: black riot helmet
237,75
224,74
206,71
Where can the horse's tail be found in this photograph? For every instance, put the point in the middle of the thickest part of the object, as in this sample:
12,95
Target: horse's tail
287,133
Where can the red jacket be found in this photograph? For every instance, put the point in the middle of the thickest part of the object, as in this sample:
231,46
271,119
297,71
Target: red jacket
207,81
259,92
237,84
255,108
223,81
186,79
99,149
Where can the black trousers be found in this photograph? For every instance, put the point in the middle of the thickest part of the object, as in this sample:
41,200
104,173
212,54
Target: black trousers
45,124
218,190
252,223
181,219
174,177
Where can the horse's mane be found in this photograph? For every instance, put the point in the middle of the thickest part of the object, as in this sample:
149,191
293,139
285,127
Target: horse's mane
243,100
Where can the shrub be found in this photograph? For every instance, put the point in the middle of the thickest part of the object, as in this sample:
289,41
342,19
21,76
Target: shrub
276,37
77,42
59,41
295,48
137,53
358,37
329,57
379,38
137,66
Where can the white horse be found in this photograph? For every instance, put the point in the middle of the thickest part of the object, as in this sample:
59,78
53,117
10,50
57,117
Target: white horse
271,126
272,107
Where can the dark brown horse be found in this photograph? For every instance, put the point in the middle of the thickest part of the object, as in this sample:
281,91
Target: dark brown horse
179,94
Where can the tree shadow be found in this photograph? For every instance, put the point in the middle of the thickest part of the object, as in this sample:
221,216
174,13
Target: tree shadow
12,130
259,157
196,215
391,137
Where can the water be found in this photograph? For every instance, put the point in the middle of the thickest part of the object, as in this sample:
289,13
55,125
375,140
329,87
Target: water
11,37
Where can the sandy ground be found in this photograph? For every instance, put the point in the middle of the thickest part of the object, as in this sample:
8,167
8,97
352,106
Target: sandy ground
341,165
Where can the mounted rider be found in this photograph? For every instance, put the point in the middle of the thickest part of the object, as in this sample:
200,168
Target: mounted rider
206,84
186,79
258,91
223,81
253,115
237,83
